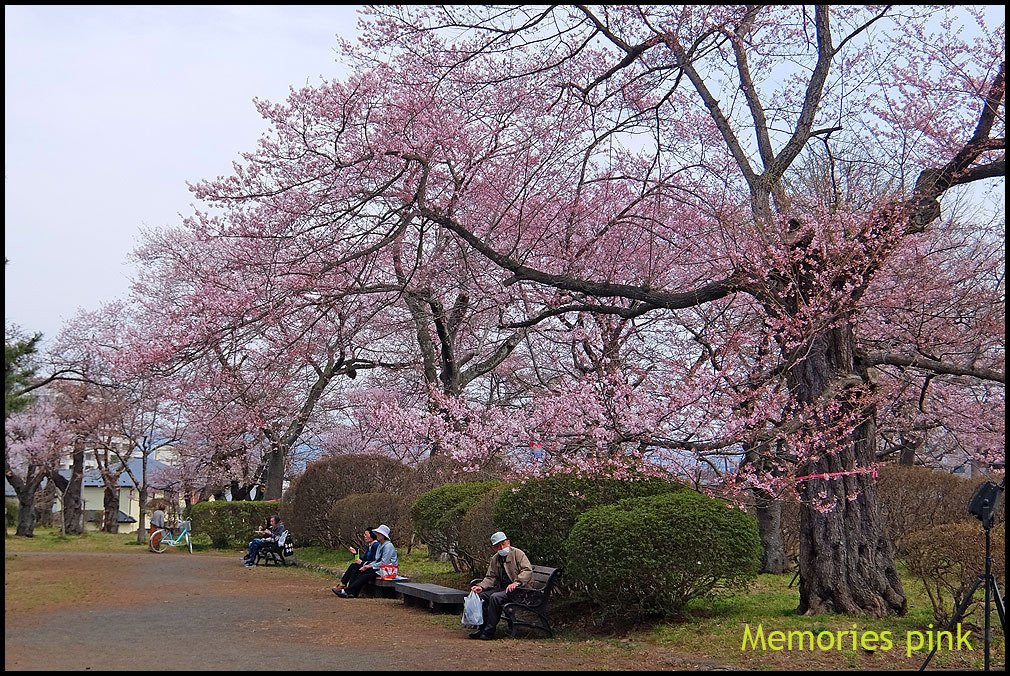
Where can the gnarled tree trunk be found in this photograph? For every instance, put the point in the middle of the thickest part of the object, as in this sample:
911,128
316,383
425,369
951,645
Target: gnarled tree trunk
846,562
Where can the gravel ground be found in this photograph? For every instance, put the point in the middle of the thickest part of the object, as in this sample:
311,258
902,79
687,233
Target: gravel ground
176,611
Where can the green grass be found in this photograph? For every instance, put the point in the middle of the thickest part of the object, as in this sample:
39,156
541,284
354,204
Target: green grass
715,627
416,565
49,539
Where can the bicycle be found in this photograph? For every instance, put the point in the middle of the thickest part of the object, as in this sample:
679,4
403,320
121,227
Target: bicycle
161,539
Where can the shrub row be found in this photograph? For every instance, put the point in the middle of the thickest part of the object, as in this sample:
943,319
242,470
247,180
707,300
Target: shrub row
309,501
231,524
914,499
438,516
352,515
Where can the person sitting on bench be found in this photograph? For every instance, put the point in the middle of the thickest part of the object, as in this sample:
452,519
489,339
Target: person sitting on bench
270,534
372,545
386,556
508,570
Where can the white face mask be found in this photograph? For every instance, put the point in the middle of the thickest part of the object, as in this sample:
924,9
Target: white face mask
504,551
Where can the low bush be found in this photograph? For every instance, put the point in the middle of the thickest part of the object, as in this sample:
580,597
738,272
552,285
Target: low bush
10,513
231,524
475,531
437,516
647,557
309,499
351,515
913,499
538,514
948,558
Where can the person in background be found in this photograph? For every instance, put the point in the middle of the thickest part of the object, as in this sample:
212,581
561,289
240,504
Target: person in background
272,533
371,549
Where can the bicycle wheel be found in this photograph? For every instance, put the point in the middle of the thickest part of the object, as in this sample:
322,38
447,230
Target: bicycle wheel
157,541
189,543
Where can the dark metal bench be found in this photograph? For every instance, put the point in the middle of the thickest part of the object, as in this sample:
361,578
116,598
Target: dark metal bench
277,552
435,596
532,601
384,588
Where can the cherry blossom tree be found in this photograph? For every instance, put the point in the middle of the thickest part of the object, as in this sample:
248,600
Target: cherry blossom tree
35,440
640,162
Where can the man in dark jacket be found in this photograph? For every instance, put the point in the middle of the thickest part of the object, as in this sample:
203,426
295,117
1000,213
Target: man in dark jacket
270,534
508,570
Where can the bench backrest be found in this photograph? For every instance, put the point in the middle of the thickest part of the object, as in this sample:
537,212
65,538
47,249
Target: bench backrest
544,578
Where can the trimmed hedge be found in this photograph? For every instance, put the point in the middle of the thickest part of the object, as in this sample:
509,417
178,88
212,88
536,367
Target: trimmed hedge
232,524
309,499
359,511
948,558
475,531
538,515
437,516
647,557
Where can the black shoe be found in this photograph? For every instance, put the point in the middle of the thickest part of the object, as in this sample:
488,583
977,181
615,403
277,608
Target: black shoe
476,634
486,636
344,595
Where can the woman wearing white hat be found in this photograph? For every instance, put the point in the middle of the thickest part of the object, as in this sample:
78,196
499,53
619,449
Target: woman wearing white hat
386,556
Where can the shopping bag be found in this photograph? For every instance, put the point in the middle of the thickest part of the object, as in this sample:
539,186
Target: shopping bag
473,611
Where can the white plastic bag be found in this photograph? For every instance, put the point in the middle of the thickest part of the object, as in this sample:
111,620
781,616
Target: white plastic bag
473,611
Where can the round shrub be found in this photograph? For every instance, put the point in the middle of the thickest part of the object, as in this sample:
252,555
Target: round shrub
351,515
538,514
948,558
475,531
438,513
231,524
650,556
310,497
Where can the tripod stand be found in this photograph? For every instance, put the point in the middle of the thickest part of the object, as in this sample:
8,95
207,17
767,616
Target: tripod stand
985,513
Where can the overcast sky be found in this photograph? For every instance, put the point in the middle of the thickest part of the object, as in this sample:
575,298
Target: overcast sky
110,110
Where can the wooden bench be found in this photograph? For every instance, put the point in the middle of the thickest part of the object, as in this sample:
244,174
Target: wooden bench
435,596
532,601
277,552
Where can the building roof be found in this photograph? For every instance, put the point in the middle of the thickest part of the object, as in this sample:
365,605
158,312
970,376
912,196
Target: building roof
93,477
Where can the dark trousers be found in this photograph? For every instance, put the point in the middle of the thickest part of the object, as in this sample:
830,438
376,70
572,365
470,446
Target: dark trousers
360,580
493,602
349,574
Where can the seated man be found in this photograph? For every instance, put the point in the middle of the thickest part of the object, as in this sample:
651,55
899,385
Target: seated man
270,534
386,555
508,570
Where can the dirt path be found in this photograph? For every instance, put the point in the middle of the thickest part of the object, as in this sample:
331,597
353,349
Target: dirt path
84,610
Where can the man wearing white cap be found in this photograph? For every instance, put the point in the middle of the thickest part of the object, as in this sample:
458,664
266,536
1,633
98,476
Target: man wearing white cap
386,556
508,570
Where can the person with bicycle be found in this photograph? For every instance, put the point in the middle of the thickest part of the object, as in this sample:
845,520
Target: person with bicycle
269,534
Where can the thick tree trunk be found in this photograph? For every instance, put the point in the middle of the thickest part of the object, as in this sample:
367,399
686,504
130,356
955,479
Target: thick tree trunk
26,514
239,491
73,503
275,474
846,563
110,515
769,518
